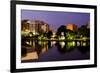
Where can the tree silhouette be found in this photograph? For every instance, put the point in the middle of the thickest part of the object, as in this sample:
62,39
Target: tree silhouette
49,34
84,31
62,28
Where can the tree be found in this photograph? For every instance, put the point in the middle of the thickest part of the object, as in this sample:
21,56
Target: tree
61,29
49,34
71,34
84,31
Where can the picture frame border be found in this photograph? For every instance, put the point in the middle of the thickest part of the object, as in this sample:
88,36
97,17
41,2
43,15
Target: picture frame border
13,36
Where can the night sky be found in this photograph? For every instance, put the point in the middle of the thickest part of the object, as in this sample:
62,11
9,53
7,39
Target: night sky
56,19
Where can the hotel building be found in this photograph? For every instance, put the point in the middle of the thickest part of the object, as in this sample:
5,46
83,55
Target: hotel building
71,27
35,26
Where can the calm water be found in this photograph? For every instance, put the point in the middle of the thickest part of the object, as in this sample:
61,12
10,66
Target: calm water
41,51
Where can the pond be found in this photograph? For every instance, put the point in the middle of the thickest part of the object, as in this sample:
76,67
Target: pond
43,51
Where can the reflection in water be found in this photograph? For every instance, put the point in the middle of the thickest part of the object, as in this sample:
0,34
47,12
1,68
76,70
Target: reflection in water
64,47
39,49
62,44
84,49
23,52
52,43
78,43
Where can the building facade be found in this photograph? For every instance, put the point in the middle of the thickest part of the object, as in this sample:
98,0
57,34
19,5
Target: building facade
39,26
34,26
71,27
25,25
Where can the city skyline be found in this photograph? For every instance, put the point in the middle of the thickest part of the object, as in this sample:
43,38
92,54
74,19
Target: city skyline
56,19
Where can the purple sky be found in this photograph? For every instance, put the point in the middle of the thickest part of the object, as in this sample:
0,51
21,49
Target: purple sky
56,19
